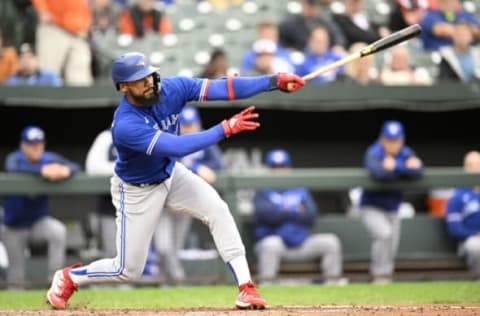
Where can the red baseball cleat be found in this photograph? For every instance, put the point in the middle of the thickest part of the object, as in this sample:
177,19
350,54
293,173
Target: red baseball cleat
248,298
62,288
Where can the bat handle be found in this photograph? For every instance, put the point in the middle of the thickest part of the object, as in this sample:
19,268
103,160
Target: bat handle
291,85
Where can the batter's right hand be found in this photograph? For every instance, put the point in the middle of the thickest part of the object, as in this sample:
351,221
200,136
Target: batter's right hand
289,82
243,121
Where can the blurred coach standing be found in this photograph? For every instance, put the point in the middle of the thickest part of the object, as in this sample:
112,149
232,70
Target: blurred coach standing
26,217
387,159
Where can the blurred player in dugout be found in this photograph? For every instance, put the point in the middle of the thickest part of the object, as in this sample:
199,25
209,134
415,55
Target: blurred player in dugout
386,159
100,161
26,217
283,219
173,228
463,216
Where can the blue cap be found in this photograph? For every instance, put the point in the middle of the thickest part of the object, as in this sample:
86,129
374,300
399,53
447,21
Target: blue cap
189,115
32,134
392,130
277,157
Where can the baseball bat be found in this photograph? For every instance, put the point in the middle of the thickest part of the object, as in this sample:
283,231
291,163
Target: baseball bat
382,44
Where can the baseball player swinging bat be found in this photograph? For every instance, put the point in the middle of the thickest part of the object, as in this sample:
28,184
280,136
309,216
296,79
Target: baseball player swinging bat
382,44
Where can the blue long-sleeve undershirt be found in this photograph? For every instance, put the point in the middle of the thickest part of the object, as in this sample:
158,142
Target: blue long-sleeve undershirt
169,145
241,87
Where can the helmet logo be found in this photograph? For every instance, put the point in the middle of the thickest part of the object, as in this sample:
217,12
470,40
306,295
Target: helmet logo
142,63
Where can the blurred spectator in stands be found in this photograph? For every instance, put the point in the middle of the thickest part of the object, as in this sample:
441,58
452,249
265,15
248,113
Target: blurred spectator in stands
29,74
319,54
406,12
397,69
460,62
222,5
265,30
62,39
26,217
103,31
266,62
361,71
173,228
438,25
27,19
283,221
142,18
295,29
388,159
122,3
105,16
100,161
8,60
356,24
217,66
463,216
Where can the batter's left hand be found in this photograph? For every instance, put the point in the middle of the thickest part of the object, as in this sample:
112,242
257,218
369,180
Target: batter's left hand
289,82
243,121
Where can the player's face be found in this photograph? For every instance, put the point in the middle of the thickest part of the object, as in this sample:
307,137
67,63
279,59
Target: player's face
32,151
392,146
140,92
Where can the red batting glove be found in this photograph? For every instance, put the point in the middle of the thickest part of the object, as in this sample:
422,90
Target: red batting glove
289,82
243,121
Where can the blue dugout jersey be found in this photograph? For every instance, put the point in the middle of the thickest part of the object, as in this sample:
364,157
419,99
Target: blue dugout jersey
388,200
24,210
463,213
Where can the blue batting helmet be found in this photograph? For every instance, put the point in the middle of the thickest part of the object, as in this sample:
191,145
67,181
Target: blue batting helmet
277,158
131,67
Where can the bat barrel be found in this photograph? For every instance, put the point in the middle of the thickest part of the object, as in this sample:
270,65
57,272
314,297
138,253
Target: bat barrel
392,39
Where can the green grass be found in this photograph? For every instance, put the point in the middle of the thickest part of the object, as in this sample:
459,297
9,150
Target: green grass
223,296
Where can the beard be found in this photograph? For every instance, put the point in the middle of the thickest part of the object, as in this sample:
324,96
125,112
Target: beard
150,101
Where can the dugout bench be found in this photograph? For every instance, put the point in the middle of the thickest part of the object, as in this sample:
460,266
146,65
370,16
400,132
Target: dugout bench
426,251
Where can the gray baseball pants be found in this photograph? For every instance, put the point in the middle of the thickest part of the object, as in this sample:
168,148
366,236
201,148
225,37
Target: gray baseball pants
271,250
384,229
138,213
470,248
47,229
169,239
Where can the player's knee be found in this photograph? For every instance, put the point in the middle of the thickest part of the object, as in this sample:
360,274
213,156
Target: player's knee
220,213
331,242
472,247
58,233
383,234
271,244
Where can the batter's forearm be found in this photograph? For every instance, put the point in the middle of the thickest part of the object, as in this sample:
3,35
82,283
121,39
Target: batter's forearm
239,87
169,145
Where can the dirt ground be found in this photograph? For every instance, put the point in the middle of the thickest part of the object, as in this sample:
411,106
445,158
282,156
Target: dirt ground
322,310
